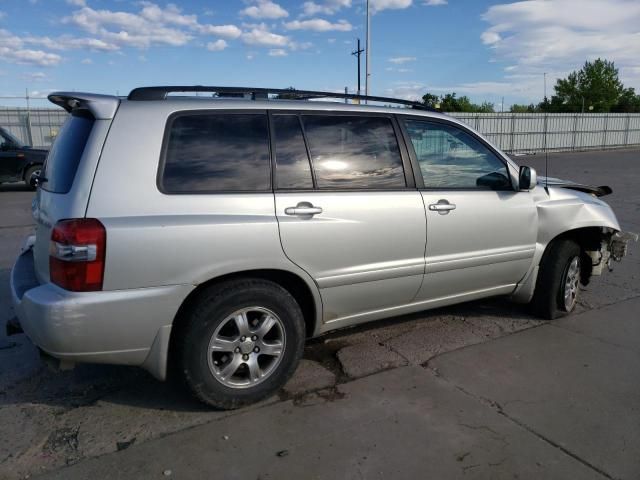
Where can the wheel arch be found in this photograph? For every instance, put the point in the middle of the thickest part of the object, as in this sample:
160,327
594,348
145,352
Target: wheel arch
587,237
298,287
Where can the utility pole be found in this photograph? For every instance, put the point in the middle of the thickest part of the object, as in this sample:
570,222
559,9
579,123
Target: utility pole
545,87
357,53
367,52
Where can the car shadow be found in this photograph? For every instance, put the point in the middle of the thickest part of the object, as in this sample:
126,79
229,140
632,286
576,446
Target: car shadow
15,187
26,377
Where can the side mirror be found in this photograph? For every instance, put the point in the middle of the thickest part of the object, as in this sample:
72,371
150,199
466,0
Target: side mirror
527,178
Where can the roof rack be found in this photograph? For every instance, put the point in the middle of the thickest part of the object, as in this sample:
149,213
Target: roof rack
161,93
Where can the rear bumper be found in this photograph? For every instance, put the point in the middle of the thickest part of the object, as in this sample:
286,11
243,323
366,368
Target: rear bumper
128,327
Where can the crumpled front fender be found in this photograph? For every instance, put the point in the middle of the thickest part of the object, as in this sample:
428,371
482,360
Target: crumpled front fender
560,211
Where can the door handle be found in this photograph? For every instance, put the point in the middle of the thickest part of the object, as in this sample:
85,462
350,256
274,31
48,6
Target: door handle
443,207
303,209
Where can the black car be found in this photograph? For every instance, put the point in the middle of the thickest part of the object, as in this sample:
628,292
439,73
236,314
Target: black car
19,162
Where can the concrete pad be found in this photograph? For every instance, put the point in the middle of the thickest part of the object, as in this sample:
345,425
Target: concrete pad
367,358
578,391
404,423
620,327
309,376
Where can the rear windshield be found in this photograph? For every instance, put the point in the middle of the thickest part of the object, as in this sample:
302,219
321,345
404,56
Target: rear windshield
64,157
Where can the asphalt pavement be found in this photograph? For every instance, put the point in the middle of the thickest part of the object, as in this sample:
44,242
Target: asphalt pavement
480,390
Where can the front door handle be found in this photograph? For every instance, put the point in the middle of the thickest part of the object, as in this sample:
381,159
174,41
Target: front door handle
303,209
443,207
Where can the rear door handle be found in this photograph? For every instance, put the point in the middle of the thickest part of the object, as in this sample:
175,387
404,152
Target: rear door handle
303,209
443,207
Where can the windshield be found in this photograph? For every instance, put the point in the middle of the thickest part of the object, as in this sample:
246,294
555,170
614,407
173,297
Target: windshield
9,138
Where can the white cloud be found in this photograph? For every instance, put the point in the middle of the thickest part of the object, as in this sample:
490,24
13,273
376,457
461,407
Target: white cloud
319,25
434,3
559,35
151,26
217,46
77,3
265,9
12,50
34,76
260,36
225,31
327,7
401,60
86,61
379,5
277,52
2,14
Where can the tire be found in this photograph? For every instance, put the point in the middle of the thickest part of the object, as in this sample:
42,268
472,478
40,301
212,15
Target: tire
212,343
29,173
558,283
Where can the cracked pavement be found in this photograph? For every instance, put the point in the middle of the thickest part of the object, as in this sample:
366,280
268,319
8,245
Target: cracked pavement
481,389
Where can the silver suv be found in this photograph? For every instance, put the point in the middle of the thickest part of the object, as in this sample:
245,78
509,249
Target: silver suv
214,234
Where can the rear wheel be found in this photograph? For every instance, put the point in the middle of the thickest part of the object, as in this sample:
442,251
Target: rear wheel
558,284
30,176
240,342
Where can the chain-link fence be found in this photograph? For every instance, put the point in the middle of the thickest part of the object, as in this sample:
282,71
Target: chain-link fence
512,132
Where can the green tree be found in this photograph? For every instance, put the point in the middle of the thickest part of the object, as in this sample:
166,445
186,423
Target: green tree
450,102
431,100
516,108
596,84
628,102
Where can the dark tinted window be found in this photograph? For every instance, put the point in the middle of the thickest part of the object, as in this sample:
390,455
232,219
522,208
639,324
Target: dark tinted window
217,152
292,162
449,157
354,152
64,156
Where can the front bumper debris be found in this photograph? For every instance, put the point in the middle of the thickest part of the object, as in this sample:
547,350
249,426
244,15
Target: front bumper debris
613,248
619,244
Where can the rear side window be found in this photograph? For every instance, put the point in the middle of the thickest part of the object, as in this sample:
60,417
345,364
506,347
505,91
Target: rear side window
64,157
354,152
292,162
209,153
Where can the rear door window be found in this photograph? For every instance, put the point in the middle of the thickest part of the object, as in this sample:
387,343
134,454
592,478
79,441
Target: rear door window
354,152
217,152
65,154
293,170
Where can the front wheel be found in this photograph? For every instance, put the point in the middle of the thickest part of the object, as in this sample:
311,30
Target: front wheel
558,284
240,342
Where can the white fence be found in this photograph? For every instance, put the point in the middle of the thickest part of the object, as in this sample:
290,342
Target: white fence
512,132
528,132
33,126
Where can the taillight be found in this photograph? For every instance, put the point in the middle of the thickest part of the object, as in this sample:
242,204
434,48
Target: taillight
76,254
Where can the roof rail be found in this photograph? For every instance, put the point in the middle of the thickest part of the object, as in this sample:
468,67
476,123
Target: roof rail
161,93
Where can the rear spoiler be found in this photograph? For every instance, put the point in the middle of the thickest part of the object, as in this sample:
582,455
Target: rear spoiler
102,107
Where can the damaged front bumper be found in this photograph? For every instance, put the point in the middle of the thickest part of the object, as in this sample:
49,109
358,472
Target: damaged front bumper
614,248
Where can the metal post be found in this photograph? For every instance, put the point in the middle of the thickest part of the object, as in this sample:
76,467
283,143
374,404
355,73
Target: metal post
513,131
367,53
604,133
29,128
346,92
575,131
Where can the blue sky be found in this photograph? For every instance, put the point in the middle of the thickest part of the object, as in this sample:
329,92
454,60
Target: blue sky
484,49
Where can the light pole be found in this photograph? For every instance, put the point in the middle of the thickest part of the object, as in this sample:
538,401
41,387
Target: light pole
545,87
357,53
367,54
